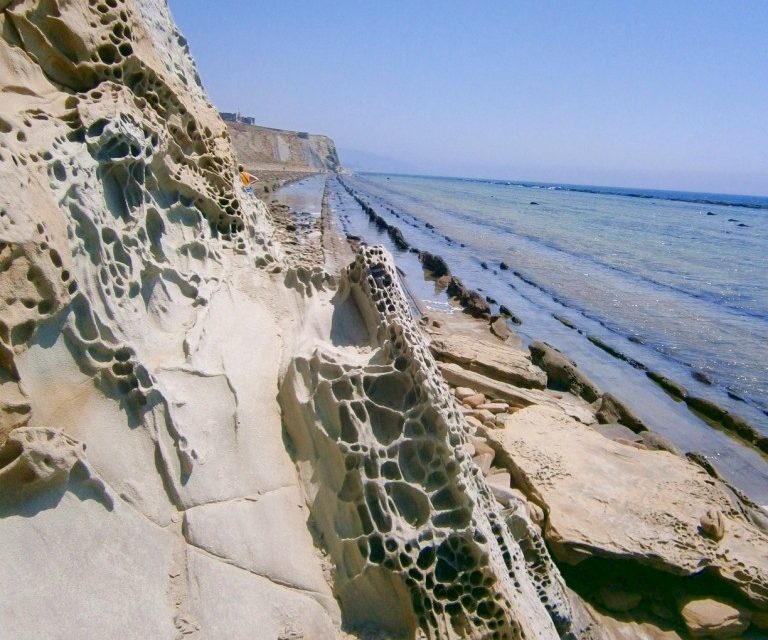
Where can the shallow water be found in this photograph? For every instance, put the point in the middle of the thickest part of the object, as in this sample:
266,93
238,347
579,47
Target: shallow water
692,287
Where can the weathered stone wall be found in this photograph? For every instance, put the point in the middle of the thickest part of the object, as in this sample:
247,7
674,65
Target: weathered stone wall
145,491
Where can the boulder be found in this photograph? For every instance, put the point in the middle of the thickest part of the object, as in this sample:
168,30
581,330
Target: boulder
483,460
712,524
612,410
515,396
464,392
712,618
435,264
562,373
475,400
495,407
485,416
499,327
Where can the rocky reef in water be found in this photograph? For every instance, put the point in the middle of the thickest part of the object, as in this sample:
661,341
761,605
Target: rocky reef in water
208,432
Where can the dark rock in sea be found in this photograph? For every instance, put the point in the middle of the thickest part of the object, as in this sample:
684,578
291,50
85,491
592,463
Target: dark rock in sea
734,396
434,264
503,266
615,353
710,213
490,300
564,320
676,390
701,377
614,410
414,250
562,373
732,220
730,422
483,265
429,226
472,301
741,224
397,238
463,245
475,305
534,203
456,288
504,310
637,339
656,442
702,460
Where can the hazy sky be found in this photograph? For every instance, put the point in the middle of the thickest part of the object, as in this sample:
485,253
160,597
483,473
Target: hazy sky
668,94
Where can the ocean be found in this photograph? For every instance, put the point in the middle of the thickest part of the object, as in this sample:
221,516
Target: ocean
675,281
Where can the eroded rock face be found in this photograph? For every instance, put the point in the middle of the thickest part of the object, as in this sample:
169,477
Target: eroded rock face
139,348
416,536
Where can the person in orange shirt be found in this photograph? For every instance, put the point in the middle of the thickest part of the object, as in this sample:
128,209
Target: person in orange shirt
246,178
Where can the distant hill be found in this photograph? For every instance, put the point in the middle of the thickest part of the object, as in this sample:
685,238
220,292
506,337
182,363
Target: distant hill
266,149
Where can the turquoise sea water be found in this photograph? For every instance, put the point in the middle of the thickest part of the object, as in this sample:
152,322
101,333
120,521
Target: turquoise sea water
674,280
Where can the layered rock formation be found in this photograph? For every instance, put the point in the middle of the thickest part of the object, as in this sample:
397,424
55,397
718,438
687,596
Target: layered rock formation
204,436
265,149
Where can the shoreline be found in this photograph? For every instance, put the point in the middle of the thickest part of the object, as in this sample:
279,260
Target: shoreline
659,409
665,342
500,391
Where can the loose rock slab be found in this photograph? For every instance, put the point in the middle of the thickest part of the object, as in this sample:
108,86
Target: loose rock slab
609,499
711,618
493,359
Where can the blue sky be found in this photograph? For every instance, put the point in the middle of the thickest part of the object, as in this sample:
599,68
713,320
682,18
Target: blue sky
655,94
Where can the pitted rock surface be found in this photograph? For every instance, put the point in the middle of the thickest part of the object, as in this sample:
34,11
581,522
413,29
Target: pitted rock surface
400,506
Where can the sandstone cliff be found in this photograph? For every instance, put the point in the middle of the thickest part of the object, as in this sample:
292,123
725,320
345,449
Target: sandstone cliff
146,486
265,149
207,434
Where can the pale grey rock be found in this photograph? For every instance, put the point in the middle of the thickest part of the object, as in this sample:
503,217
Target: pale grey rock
221,594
